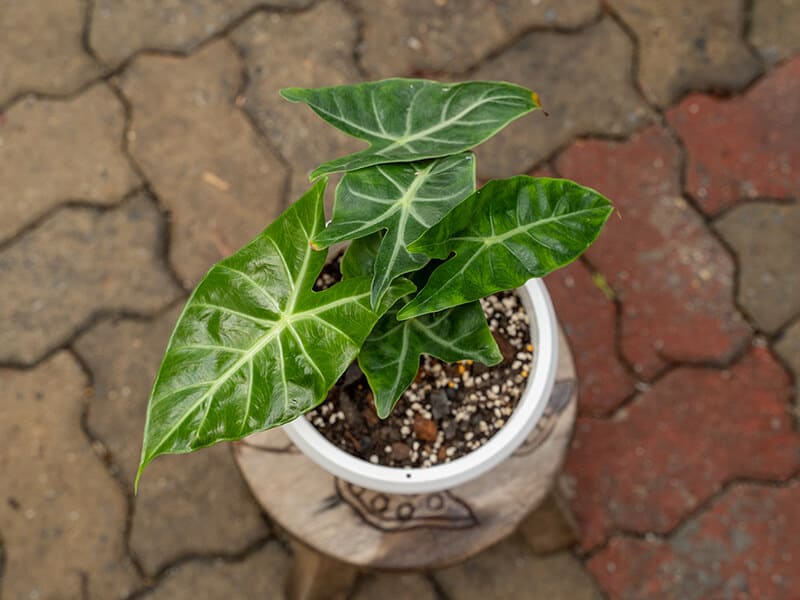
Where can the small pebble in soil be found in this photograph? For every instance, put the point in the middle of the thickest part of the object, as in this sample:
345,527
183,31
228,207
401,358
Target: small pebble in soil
448,411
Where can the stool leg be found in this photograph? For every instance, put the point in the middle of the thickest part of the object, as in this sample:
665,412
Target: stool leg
317,577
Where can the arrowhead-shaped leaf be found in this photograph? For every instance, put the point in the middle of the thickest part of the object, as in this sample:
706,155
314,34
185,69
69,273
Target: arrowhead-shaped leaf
404,199
414,119
507,232
255,347
390,356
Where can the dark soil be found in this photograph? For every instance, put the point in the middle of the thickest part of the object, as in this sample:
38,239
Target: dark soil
448,411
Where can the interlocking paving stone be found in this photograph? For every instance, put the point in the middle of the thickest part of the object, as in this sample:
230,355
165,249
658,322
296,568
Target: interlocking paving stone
550,528
261,574
221,183
686,45
121,27
396,587
678,443
40,48
62,515
77,263
57,150
584,81
766,239
674,278
788,348
774,28
407,38
188,504
743,147
745,546
589,319
311,49
510,570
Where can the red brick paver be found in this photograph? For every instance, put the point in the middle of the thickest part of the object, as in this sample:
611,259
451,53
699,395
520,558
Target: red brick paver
745,147
674,279
745,546
675,446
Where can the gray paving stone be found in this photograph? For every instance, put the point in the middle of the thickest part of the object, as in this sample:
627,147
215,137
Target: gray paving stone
262,575
40,48
686,45
550,528
512,571
403,38
120,28
220,181
774,28
788,347
56,150
396,587
765,237
62,515
188,504
311,49
77,263
584,83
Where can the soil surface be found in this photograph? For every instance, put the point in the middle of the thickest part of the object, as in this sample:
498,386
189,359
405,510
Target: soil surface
448,411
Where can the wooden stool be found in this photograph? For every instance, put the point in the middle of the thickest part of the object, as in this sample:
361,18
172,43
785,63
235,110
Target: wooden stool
338,528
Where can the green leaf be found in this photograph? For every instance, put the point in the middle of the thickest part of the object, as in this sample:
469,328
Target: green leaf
390,356
507,232
359,257
403,199
414,119
255,347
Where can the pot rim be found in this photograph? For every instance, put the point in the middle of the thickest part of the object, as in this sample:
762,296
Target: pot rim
416,480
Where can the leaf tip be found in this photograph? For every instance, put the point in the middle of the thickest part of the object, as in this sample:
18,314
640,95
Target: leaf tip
292,94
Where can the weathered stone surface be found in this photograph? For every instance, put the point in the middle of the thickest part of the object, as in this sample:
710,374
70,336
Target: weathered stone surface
774,28
766,239
55,150
512,571
550,528
788,347
324,37
121,27
745,546
77,263
40,48
674,279
262,574
62,516
408,38
221,183
686,45
589,318
396,587
189,504
679,443
584,81
744,147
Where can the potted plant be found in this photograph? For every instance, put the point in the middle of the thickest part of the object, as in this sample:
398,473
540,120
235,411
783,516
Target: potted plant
257,346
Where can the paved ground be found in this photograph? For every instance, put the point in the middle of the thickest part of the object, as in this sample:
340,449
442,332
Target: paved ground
142,141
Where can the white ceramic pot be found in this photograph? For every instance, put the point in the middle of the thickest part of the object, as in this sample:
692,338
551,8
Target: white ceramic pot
394,480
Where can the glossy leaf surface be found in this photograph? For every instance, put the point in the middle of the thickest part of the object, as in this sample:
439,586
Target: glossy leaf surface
507,232
359,257
413,119
403,199
255,347
390,356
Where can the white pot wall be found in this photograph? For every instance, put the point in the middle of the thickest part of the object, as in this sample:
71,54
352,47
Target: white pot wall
544,336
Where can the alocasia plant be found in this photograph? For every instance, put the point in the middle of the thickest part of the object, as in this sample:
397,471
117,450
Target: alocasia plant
257,347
